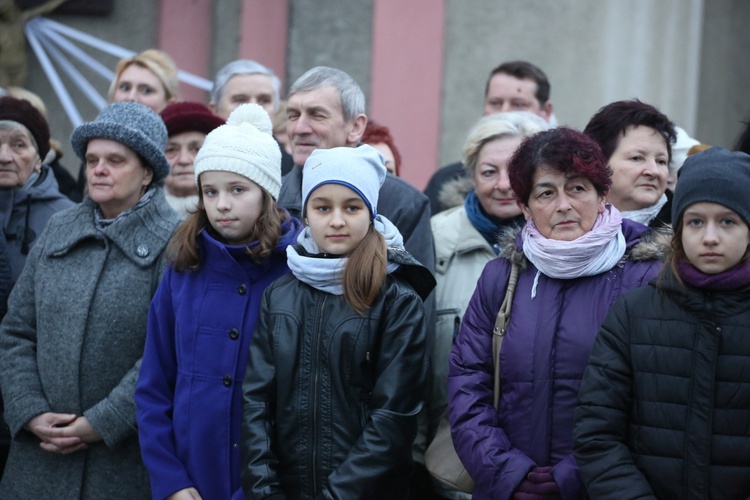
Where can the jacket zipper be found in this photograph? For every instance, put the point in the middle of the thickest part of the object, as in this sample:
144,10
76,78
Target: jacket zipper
315,386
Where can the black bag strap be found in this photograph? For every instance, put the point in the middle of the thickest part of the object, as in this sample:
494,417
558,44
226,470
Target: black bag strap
501,328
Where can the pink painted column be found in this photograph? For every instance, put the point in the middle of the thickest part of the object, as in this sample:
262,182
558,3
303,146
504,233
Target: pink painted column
407,75
263,34
185,34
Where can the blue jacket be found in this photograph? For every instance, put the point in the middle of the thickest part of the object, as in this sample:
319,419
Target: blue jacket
189,394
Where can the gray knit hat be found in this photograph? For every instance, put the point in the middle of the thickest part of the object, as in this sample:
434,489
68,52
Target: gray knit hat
714,175
360,169
133,125
243,146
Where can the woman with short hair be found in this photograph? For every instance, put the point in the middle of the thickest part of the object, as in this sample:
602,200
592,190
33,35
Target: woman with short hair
575,256
636,138
149,78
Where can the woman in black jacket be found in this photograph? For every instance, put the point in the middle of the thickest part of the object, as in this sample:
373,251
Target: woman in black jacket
337,362
665,401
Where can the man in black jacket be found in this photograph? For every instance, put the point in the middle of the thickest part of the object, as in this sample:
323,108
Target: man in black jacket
326,109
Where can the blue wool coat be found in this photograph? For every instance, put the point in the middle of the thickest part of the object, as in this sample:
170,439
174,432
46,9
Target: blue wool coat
189,394
542,360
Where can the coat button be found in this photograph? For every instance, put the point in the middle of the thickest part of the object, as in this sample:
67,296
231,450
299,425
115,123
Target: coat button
234,334
227,380
142,251
242,289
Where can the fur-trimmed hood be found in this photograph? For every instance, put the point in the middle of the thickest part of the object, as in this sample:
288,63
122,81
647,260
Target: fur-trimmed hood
454,192
643,243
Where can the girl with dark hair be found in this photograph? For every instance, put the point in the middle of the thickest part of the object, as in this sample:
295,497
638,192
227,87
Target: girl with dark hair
204,311
665,400
574,256
337,364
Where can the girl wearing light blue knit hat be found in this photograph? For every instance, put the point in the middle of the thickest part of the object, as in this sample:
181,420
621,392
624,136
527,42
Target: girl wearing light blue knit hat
337,363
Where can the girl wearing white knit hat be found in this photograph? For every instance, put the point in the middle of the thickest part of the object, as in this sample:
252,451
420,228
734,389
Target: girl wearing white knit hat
337,363
204,311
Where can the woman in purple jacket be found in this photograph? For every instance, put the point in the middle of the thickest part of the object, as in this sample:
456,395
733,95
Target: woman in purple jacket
576,257
189,393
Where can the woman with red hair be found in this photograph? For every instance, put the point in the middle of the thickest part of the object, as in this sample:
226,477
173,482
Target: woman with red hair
379,137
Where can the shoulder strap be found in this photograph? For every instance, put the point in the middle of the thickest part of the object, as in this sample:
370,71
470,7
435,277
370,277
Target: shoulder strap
501,327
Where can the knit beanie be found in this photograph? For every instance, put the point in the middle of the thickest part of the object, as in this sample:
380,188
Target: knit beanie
680,149
361,169
131,124
243,146
21,111
187,116
717,176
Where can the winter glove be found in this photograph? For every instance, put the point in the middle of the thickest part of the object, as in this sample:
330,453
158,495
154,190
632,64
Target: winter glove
538,485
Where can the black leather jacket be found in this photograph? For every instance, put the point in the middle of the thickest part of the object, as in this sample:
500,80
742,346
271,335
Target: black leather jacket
331,398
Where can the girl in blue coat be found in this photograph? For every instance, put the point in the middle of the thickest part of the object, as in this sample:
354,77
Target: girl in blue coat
202,317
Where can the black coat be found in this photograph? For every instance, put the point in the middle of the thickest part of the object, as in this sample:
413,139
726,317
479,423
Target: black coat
664,217
331,397
664,405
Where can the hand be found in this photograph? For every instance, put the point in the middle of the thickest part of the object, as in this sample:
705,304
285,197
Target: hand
185,494
46,427
63,433
539,484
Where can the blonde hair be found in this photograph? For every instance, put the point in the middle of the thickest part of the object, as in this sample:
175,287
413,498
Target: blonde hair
498,126
157,62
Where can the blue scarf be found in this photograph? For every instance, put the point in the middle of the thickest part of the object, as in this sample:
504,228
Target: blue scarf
488,227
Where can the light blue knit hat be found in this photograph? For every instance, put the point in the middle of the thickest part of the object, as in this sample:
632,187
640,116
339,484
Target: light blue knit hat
361,169
131,124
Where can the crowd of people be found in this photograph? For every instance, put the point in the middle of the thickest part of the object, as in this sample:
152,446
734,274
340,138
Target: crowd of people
242,299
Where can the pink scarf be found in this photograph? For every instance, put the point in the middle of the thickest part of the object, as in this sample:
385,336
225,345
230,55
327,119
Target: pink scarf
595,252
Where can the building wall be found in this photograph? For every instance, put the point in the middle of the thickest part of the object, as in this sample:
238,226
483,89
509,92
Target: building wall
133,25
724,82
330,33
423,69
593,52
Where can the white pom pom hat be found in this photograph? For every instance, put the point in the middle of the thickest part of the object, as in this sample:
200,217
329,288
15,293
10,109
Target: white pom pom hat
243,146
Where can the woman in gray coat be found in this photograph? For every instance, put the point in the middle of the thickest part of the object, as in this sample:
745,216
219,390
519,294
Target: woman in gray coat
71,342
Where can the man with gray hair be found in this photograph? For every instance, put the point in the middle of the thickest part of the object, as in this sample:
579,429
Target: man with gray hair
244,81
326,109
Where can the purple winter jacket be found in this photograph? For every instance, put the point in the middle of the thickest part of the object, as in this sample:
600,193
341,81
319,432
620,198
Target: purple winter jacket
542,361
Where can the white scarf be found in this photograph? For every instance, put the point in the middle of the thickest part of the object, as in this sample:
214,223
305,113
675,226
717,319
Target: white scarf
646,215
595,252
326,274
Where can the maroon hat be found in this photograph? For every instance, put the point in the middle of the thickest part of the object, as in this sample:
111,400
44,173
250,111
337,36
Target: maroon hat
21,111
186,116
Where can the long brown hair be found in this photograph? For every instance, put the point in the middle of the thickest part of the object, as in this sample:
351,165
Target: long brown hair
183,251
675,256
365,271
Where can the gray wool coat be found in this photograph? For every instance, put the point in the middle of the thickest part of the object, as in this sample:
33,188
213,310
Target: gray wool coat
71,342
